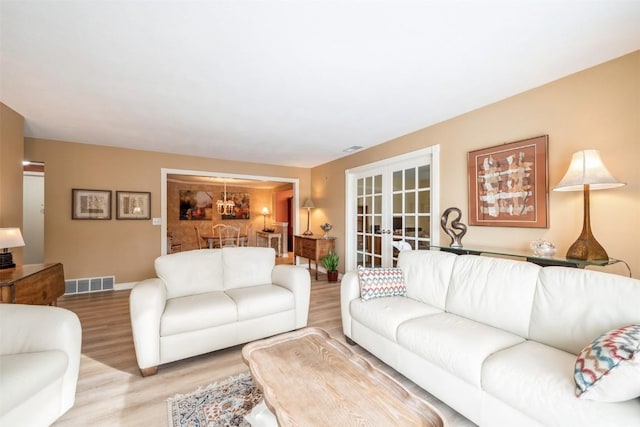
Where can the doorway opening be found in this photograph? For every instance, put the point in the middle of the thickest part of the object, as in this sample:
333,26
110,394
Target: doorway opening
251,193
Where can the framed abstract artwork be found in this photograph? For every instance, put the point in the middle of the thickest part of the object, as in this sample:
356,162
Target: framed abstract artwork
508,184
133,205
90,204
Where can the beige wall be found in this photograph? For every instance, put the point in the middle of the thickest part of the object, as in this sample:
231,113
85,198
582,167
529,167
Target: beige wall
126,249
596,108
11,151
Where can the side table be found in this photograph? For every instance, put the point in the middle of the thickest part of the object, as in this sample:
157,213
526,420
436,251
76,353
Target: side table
267,237
313,248
37,284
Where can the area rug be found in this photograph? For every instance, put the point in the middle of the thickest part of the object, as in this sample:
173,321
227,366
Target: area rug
224,403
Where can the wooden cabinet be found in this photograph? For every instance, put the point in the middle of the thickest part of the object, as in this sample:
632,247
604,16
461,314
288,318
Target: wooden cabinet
313,248
37,284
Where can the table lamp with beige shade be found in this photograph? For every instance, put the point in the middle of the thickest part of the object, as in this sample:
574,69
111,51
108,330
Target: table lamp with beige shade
308,205
587,172
9,238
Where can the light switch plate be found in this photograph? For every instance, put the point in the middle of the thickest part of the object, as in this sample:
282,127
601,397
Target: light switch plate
157,221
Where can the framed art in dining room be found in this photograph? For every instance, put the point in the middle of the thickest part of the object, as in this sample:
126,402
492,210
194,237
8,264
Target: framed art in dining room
90,204
508,184
133,205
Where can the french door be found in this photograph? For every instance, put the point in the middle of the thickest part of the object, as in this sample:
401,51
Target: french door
391,206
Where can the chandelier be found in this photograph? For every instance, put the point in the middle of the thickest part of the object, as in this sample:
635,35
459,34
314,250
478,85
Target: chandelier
224,206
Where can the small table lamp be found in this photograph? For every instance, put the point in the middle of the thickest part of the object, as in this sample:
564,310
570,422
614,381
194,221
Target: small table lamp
265,212
587,172
9,238
308,204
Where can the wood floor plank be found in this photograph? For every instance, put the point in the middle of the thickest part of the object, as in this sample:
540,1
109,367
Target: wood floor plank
111,391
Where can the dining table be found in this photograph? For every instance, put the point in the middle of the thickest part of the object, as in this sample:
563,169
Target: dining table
213,240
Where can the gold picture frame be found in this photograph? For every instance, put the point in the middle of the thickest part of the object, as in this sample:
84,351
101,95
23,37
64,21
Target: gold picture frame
133,205
90,204
508,184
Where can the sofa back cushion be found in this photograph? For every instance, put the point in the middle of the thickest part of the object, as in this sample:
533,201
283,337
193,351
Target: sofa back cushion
247,266
427,275
573,306
494,291
191,272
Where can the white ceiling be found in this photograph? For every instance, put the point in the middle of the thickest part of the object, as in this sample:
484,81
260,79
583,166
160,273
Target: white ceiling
286,82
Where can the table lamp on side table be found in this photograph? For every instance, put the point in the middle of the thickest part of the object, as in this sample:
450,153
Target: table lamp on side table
308,205
587,172
9,238
265,212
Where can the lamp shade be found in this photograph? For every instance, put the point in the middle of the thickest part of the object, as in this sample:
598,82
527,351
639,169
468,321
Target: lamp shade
265,211
308,204
586,167
11,238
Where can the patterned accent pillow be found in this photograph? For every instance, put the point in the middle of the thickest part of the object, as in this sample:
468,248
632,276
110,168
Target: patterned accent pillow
608,369
381,282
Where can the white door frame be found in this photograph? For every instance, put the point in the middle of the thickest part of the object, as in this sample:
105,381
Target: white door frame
432,154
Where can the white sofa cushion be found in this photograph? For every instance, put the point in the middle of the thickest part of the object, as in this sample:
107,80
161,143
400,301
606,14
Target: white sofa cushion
496,292
247,266
23,375
260,301
200,311
573,306
190,272
537,380
454,343
384,315
427,275
608,369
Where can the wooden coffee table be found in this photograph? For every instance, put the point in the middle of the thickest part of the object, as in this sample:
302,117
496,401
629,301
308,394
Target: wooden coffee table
311,379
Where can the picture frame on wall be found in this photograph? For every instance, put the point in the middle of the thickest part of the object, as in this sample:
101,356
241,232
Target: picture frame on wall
90,204
133,205
508,185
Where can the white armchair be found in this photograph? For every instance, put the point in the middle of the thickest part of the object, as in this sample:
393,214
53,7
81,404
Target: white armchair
39,363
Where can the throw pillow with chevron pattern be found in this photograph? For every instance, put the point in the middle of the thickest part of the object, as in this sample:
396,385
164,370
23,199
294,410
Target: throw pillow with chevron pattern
608,369
381,282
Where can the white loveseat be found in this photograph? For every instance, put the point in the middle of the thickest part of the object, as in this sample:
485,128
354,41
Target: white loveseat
209,299
496,339
39,363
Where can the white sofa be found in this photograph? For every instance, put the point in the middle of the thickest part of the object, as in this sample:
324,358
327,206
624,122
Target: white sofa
496,339
39,363
209,299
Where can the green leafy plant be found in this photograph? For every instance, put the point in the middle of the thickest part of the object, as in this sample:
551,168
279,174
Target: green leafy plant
330,261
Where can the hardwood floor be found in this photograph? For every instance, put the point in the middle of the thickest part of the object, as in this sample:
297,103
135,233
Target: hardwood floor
111,391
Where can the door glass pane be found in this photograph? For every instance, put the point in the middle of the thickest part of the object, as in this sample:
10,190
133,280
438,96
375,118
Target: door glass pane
377,187
424,176
424,223
424,202
377,200
397,203
360,185
410,179
397,181
409,202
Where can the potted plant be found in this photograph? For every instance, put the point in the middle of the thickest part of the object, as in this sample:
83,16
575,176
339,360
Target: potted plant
330,263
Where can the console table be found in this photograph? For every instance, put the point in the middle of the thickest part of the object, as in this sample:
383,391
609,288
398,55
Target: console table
313,248
37,284
530,257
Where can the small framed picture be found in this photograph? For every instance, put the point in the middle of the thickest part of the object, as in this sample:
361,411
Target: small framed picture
133,205
90,204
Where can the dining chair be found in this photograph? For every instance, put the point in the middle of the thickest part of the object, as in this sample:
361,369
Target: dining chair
230,237
247,234
198,238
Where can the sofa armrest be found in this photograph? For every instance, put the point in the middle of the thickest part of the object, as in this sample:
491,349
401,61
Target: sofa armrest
349,290
298,281
37,328
146,305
